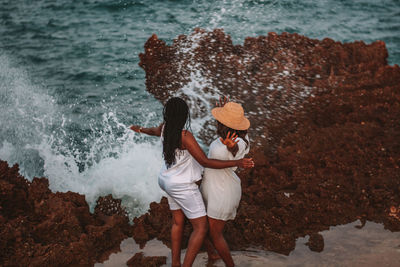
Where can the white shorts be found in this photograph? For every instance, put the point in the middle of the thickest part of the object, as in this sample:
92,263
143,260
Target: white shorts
186,197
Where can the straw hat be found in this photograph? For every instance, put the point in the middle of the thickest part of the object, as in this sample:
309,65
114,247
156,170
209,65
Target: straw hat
231,115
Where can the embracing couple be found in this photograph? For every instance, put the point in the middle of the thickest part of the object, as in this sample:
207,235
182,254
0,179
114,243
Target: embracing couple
210,206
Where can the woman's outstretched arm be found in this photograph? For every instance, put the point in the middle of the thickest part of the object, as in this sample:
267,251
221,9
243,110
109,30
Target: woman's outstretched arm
154,131
190,143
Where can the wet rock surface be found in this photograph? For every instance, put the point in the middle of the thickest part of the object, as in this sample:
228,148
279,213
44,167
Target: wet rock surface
140,260
316,242
325,125
41,228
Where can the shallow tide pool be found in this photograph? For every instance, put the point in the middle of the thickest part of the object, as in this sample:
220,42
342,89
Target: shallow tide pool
345,245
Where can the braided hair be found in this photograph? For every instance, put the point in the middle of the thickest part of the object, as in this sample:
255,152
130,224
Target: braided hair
176,116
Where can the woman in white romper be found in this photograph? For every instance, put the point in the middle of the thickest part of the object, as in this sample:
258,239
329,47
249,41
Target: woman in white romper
183,165
221,188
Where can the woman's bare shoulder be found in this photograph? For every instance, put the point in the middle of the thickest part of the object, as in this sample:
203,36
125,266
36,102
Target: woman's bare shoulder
187,138
186,133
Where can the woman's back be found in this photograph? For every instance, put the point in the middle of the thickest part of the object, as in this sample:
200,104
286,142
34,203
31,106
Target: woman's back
221,188
185,169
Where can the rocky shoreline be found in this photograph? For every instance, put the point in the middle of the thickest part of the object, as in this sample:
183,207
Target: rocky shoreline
325,133
42,228
325,124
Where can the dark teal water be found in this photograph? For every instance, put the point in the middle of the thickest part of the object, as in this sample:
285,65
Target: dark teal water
70,83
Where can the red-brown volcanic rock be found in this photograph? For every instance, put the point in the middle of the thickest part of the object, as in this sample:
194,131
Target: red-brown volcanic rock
140,260
41,228
325,129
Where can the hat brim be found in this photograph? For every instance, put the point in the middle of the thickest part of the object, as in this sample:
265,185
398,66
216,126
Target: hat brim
218,114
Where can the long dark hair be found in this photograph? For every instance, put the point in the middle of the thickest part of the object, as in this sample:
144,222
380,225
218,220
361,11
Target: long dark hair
176,116
222,131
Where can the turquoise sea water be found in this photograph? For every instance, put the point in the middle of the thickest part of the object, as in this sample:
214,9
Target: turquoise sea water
70,83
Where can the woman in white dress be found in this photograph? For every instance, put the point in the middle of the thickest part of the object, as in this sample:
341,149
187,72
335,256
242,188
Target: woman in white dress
183,165
221,188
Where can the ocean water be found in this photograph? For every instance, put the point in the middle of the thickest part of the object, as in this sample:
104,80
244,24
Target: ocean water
70,84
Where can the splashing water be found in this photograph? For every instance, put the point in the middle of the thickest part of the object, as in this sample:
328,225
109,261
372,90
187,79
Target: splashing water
24,114
199,91
117,161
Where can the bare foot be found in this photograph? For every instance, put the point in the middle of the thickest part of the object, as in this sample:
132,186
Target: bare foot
213,256
211,252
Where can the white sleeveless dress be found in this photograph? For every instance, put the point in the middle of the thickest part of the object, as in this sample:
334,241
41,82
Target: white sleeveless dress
221,188
179,182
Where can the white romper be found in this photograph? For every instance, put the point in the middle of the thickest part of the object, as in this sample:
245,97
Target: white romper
179,182
221,188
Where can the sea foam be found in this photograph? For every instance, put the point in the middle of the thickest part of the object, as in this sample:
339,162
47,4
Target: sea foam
34,134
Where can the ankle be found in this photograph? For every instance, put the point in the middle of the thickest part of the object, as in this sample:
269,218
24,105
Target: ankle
176,263
213,256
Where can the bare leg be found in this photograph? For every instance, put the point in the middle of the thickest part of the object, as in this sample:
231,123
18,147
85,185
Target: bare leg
178,220
196,240
211,252
216,228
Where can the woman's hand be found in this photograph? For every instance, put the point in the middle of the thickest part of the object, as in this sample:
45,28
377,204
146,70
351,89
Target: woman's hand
222,101
136,128
246,163
153,131
190,143
230,141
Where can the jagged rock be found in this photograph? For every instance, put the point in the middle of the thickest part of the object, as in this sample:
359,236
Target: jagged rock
324,128
41,228
316,242
140,260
